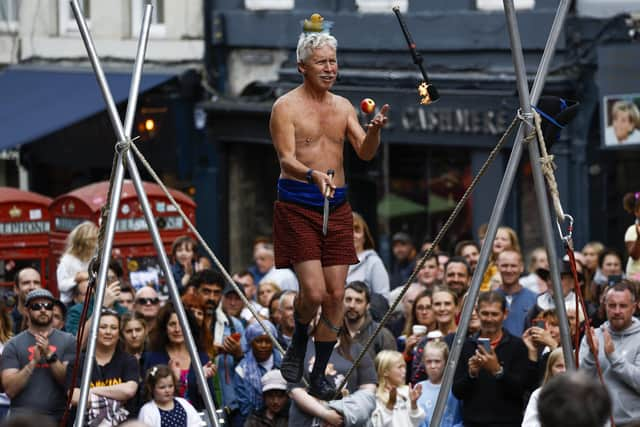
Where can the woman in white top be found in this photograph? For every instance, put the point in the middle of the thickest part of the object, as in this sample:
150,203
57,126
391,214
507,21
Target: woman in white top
555,366
370,268
81,245
396,403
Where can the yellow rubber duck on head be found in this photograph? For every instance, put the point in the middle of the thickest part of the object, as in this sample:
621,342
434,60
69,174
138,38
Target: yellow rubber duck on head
315,23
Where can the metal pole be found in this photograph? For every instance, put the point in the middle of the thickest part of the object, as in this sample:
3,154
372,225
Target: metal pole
173,289
123,135
496,215
539,184
111,218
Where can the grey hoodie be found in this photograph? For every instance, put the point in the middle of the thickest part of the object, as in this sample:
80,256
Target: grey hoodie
620,370
371,271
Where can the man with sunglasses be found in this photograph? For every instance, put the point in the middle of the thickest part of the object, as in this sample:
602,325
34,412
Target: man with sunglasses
34,362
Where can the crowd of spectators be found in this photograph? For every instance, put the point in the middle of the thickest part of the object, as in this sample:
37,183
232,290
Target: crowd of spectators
511,355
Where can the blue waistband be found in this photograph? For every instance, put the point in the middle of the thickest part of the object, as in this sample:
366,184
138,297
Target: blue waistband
307,194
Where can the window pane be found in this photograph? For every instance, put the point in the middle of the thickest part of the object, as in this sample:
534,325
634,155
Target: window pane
9,10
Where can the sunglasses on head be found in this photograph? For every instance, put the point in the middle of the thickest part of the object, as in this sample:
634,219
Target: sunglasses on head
40,305
148,301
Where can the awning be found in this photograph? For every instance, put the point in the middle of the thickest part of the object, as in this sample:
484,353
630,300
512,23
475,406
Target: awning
37,102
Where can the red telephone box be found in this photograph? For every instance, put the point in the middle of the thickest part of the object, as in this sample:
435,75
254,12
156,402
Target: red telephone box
24,233
132,246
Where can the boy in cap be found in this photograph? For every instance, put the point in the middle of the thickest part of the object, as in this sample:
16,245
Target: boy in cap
274,413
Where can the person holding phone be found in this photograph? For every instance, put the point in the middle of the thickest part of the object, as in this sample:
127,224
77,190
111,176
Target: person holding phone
492,374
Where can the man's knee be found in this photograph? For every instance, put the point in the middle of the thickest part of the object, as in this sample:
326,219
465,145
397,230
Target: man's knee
312,297
335,296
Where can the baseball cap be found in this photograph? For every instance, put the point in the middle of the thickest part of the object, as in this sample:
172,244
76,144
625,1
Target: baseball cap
38,293
273,380
565,269
401,236
229,289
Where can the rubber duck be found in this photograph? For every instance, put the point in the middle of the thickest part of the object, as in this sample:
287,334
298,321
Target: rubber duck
314,23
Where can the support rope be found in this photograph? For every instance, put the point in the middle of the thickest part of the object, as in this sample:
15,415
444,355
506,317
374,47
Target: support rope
209,251
436,241
548,170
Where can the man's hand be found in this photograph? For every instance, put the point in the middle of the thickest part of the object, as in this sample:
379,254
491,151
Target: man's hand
609,347
112,294
488,360
233,347
42,345
380,119
333,418
323,181
474,366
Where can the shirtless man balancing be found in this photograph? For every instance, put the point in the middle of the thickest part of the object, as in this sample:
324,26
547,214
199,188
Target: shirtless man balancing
308,127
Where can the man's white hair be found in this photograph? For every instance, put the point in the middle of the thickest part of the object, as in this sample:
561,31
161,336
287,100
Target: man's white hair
308,42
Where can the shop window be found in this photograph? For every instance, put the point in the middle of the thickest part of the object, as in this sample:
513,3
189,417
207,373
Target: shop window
268,4
158,27
66,21
9,15
491,5
381,6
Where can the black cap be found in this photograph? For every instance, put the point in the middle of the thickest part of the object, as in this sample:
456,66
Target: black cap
565,269
401,237
228,289
555,113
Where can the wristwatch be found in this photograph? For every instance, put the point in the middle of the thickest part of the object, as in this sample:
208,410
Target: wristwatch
53,357
500,373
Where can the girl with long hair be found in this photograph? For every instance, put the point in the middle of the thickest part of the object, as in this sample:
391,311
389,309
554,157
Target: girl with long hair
80,247
370,269
421,314
506,238
396,403
555,366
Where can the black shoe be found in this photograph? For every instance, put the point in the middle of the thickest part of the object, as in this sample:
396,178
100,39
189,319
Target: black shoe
292,364
321,388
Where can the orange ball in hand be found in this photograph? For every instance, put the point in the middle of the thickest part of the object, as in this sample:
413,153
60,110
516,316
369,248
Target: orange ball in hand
367,105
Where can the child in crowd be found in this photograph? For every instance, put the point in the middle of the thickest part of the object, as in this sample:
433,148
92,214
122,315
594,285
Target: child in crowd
275,412
396,403
555,366
435,357
80,247
164,408
183,254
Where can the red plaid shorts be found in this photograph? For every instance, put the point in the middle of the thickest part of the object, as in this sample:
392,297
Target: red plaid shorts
297,235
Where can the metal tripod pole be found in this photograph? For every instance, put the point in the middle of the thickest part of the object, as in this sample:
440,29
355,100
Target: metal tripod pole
123,134
539,185
496,215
